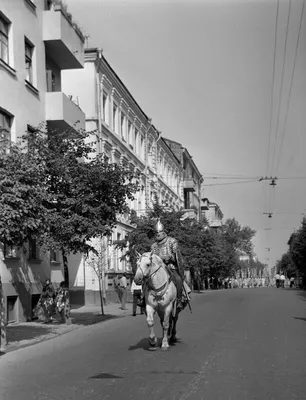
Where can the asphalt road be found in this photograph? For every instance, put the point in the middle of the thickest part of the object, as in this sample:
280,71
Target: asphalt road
240,344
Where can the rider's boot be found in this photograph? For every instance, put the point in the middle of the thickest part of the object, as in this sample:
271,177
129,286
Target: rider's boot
179,305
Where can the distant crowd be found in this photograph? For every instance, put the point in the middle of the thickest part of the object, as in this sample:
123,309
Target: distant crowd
279,281
216,283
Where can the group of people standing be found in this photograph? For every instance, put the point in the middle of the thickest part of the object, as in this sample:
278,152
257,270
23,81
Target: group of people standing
54,301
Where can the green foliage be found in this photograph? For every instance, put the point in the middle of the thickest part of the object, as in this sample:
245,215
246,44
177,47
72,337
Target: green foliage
205,252
55,188
286,265
297,247
22,193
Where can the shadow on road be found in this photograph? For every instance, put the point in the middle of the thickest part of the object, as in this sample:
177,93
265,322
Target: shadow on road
142,344
300,318
105,375
88,318
302,294
16,333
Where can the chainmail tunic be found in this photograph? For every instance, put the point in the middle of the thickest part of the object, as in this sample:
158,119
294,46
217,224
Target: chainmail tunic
169,247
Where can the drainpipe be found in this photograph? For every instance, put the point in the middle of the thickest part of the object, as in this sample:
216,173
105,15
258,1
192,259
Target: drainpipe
156,158
146,164
99,147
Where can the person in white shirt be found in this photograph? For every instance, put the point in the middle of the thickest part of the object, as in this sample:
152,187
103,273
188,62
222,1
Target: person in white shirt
136,292
282,279
277,280
123,287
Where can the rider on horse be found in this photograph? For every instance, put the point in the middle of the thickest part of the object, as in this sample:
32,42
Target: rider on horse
167,249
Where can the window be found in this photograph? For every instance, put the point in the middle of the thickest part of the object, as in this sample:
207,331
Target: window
5,131
115,118
105,103
136,141
48,5
50,76
53,256
10,251
4,29
28,60
142,147
130,133
33,249
123,132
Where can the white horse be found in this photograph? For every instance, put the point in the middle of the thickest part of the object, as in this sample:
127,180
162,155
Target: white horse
160,295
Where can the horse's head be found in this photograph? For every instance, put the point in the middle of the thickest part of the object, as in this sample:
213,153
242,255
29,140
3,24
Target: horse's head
144,265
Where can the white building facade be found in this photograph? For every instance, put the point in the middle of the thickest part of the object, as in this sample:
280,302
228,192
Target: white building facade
38,40
126,136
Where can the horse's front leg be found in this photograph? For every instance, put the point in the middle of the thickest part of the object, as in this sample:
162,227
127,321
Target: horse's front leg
150,323
173,338
166,322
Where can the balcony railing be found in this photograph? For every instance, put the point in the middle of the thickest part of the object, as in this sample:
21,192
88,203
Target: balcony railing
62,113
189,184
64,43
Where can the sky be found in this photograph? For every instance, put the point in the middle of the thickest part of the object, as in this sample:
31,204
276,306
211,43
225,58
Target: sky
213,76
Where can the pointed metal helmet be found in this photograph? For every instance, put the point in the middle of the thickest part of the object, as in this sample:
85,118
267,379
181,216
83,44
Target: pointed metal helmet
159,227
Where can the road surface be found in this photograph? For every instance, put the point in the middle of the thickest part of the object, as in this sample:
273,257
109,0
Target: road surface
239,344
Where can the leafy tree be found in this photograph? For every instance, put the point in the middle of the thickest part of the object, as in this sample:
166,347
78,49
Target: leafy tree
22,213
240,238
297,247
22,194
286,265
83,192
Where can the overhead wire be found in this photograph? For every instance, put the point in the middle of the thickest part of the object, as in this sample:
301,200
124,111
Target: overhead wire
282,83
291,85
272,197
273,85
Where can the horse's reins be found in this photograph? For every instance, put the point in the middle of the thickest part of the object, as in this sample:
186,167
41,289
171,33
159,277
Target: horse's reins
146,278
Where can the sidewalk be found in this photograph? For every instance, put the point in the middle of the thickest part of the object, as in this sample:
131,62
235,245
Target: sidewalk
29,333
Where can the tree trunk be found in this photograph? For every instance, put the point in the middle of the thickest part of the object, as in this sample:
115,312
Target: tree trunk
2,320
103,286
66,271
101,295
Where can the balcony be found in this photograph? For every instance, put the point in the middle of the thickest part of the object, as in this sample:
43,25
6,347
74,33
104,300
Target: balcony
215,223
190,213
64,43
189,184
62,113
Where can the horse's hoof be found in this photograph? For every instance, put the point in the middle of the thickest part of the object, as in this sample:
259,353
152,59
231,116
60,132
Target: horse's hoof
164,348
173,340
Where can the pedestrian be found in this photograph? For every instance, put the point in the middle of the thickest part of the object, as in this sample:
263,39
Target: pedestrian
137,293
117,288
123,289
277,280
62,302
282,280
292,279
46,301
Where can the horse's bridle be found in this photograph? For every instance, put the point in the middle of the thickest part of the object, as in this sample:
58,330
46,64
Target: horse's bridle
146,278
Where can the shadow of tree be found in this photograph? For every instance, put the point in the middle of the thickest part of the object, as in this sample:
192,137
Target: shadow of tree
300,318
302,294
26,332
88,318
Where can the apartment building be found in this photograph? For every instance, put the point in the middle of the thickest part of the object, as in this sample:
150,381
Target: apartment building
126,136
38,40
192,180
212,213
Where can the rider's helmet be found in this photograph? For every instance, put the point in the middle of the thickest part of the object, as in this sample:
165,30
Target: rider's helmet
159,227
160,233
